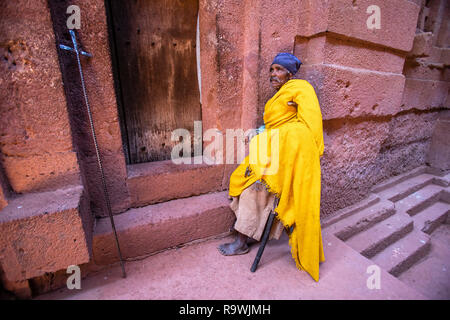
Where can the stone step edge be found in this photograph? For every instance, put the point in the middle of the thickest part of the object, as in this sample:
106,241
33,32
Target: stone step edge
362,220
371,249
428,226
159,181
425,203
343,213
53,213
399,178
169,224
397,195
411,258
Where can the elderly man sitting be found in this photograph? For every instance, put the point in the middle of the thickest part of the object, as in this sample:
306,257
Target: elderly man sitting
293,124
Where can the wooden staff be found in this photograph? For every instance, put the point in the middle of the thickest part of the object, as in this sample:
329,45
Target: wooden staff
265,236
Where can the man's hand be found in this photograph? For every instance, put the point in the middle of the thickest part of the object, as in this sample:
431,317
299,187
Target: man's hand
292,104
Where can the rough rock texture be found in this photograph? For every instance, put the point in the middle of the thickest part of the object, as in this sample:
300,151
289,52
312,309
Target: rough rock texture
379,112
35,137
160,181
45,222
381,92
93,38
147,230
4,190
439,155
42,232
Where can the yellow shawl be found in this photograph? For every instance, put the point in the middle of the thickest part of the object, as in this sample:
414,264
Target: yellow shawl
286,158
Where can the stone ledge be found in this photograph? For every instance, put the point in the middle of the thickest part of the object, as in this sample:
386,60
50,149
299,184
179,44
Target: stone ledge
375,239
160,181
353,92
156,227
432,217
41,173
362,220
420,199
333,49
399,178
423,42
42,232
397,29
343,213
424,94
401,255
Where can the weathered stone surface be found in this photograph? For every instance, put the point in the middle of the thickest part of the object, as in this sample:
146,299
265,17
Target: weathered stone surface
401,255
374,240
98,75
333,50
163,180
359,154
35,125
432,217
349,92
156,227
439,153
422,45
349,18
20,289
42,232
422,70
42,172
4,190
3,201
221,42
397,28
403,185
116,183
445,56
410,127
424,94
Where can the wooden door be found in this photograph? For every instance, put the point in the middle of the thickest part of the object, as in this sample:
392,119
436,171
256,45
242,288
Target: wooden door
156,70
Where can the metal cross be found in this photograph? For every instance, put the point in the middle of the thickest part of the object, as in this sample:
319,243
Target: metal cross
78,51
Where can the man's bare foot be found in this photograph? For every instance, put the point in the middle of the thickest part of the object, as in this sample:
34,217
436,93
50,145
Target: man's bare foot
239,246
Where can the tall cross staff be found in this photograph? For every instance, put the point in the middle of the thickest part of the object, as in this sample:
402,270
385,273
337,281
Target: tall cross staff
78,51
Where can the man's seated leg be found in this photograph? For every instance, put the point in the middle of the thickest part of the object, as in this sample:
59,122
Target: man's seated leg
251,208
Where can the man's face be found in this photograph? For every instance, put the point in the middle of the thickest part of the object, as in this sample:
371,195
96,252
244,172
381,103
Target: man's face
279,75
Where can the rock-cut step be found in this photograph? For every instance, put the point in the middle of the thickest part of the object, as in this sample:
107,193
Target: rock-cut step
381,235
150,229
405,188
389,183
404,253
429,219
419,200
362,220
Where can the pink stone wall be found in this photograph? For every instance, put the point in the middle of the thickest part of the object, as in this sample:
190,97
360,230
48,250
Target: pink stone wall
45,224
378,117
365,80
36,148
381,91
4,189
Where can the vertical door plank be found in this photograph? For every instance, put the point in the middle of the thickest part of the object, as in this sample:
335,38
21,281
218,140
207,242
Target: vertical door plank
156,61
